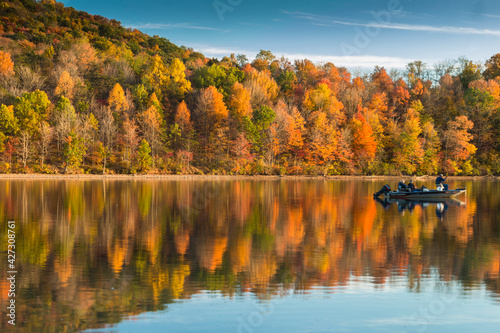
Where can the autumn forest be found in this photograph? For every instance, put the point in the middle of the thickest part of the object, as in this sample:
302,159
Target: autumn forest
80,93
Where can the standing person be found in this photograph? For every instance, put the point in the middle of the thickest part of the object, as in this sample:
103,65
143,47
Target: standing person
440,181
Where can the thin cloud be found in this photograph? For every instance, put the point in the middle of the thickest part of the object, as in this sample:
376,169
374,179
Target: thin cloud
483,14
318,19
222,52
491,15
365,61
352,61
168,26
256,25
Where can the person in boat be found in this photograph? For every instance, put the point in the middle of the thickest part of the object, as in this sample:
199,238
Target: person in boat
411,186
402,186
440,181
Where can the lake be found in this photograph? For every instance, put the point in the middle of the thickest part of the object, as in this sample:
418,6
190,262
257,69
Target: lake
278,255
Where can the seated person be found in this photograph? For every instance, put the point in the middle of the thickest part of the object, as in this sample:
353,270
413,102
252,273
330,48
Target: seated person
402,186
440,181
411,186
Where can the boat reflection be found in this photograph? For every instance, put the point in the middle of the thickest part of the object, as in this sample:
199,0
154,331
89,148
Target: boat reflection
403,205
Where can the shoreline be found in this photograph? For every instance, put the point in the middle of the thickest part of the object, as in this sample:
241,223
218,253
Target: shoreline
228,177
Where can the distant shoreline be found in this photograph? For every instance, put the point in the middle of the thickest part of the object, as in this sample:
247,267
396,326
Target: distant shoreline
229,177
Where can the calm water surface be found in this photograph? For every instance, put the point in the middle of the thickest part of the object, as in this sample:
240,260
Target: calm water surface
249,256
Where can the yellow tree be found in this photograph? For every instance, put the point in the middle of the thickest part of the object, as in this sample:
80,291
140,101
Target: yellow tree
363,143
156,76
321,98
378,106
154,102
376,115
117,101
211,112
431,144
178,84
183,118
65,85
458,148
6,64
211,118
181,132
296,130
322,139
409,153
239,102
262,88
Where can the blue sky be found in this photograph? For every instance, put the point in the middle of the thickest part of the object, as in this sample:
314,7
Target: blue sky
354,33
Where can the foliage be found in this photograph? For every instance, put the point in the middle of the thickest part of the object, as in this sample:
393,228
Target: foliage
144,158
116,100
6,64
74,150
77,88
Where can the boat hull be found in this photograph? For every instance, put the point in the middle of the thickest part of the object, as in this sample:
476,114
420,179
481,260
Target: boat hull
424,195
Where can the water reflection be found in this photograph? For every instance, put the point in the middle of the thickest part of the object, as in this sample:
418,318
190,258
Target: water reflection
441,205
90,253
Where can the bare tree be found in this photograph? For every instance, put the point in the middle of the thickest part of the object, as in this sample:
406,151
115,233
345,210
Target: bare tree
46,133
130,140
151,124
65,120
107,130
25,147
29,80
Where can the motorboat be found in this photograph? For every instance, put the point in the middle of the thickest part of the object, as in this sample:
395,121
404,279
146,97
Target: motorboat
420,194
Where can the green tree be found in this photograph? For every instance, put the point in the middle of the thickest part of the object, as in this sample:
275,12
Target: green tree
30,109
74,150
481,111
140,96
102,154
219,77
492,67
469,71
258,126
8,122
144,156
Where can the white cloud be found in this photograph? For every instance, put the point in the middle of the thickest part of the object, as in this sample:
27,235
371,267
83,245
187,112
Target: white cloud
213,51
427,28
366,61
491,15
168,26
323,20
353,61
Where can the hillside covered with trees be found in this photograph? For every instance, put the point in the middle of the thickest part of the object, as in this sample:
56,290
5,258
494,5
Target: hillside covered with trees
79,93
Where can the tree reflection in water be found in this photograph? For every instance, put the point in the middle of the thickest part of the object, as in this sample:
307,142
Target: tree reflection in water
90,253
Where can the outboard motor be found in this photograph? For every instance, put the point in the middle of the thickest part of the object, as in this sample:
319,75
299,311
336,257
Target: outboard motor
385,189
